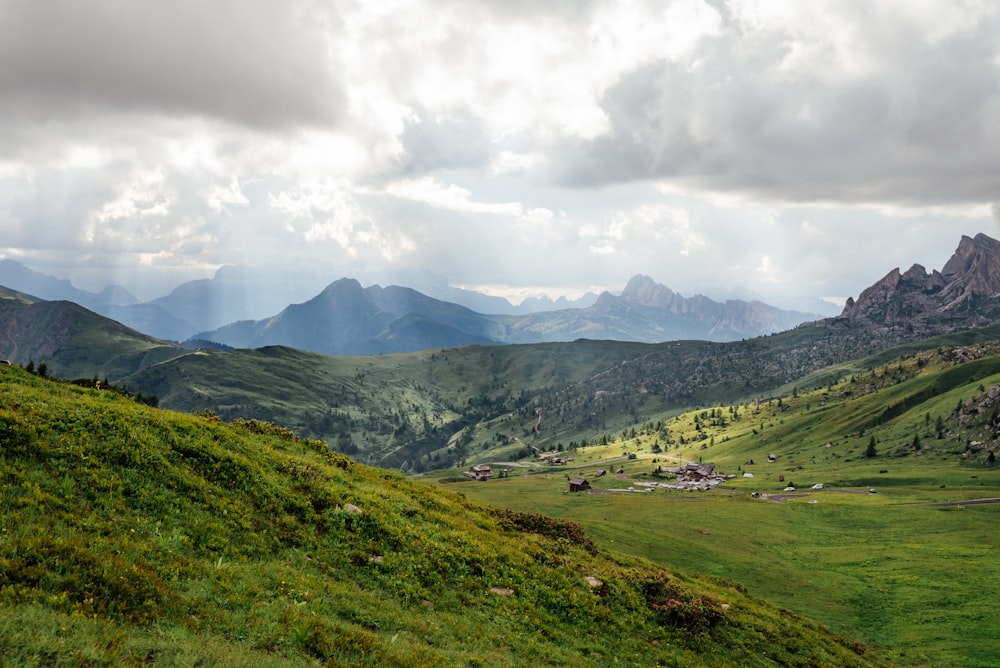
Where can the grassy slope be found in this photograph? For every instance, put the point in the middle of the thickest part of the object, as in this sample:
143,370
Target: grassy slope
393,408
74,342
427,410
920,580
132,535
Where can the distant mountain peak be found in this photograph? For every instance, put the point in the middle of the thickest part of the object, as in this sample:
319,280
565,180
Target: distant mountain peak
344,286
644,291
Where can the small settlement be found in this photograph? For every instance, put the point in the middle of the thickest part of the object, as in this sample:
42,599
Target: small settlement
691,476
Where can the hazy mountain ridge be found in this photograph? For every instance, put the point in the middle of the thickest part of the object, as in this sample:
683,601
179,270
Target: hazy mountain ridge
16,275
113,301
347,319
241,307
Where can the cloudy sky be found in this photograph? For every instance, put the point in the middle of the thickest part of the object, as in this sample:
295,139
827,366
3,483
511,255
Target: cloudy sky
736,148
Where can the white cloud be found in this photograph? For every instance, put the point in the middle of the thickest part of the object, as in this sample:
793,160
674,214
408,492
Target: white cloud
720,147
430,191
219,198
767,272
145,195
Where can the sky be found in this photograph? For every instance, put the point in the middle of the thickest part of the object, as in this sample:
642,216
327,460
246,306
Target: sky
765,149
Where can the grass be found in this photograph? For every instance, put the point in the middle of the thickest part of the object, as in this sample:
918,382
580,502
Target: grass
137,536
918,580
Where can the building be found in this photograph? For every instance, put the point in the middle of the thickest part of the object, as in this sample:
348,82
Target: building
479,472
698,471
578,485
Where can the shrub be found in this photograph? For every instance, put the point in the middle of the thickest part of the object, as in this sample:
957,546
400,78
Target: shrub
674,606
545,526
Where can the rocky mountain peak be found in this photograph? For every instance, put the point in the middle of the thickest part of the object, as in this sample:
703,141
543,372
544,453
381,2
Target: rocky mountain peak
879,293
974,269
953,295
972,253
644,291
915,273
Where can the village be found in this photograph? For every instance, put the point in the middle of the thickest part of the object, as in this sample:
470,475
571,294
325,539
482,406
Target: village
689,476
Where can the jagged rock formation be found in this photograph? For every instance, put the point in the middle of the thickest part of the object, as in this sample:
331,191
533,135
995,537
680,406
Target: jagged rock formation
964,294
715,321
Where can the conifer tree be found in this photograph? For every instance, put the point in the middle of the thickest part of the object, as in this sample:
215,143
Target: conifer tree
870,450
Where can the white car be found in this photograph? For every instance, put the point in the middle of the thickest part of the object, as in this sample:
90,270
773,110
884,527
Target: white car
789,489
818,485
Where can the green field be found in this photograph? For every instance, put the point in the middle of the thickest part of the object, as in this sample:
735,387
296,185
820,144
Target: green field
139,536
920,580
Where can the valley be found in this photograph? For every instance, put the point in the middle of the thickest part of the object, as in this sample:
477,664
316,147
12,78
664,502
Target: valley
897,548
855,452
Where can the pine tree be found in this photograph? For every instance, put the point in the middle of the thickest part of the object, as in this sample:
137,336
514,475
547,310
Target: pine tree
870,450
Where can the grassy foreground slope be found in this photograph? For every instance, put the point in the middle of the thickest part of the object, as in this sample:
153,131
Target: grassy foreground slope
132,535
920,580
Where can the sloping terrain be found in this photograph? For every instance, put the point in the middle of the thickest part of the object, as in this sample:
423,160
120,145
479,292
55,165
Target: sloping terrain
74,342
427,410
897,545
136,536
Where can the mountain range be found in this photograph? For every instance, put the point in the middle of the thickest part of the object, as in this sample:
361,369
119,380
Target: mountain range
581,386
348,319
243,308
427,411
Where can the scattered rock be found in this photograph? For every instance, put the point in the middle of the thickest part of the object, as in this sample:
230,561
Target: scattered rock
501,591
593,582
352,509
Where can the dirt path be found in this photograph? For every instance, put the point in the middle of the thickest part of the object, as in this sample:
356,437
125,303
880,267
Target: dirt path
970,502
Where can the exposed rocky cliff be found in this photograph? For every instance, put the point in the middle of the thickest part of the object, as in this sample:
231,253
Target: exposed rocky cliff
964,294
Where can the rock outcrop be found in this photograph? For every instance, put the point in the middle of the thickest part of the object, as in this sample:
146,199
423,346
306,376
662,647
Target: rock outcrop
964,294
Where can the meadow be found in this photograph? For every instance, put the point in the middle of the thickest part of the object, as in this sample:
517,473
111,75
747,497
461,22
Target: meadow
132,535
920,580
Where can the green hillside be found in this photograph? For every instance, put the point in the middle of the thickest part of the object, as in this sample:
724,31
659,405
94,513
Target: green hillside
889,566
132,535
423,411
73,342
429,410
